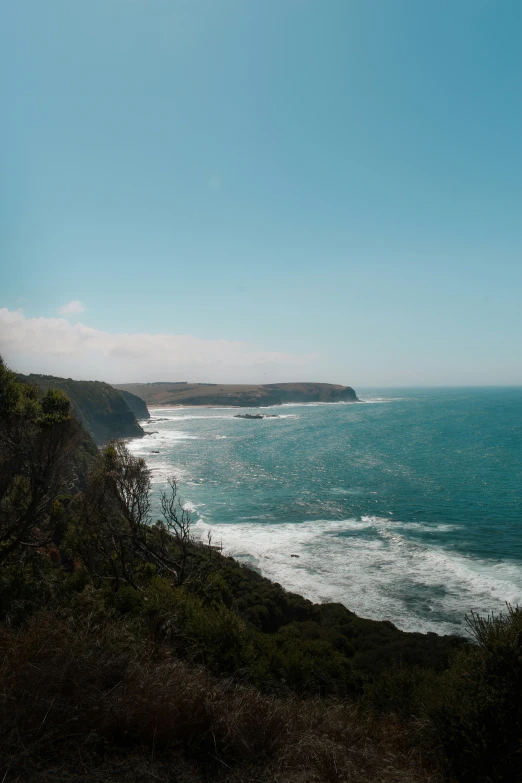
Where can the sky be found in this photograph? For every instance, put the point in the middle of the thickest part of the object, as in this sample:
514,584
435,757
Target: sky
262,190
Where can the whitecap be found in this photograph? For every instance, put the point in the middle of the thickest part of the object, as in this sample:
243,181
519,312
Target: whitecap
375,572
381,400
188,505
189,417
166,436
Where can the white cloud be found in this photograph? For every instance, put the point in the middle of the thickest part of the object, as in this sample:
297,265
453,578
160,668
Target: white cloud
55,346
74,307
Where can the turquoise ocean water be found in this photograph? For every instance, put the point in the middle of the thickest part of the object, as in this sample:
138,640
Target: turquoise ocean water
406,507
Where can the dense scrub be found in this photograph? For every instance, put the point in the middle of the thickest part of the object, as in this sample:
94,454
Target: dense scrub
130,651
87,697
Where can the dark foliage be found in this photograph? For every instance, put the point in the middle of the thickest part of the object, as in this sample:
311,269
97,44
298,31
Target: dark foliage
136,404
38,438
130,646
100,408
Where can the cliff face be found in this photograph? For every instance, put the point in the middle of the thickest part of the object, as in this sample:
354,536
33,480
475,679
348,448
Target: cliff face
136,404
100,408
306,392
238,395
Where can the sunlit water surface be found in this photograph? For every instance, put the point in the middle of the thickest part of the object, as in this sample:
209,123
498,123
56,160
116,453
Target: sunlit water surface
406,507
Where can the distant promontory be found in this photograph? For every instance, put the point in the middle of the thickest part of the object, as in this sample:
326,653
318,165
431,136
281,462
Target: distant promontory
242,395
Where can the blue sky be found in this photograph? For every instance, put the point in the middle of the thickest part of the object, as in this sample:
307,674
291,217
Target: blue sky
261,191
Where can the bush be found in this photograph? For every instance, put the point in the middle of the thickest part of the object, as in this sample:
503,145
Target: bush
84,698
476,706
210,634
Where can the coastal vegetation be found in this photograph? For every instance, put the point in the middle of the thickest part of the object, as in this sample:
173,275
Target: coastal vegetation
130,651
103,411
136,404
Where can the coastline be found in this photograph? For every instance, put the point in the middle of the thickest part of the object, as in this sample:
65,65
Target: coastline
159,406
417,568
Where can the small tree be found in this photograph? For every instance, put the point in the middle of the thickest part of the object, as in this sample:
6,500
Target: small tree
38,436
116,533
177,526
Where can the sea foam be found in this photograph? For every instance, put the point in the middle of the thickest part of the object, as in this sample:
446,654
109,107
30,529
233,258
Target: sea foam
406,508
381,575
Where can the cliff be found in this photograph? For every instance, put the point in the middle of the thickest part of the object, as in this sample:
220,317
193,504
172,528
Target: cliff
242,395
101,409
136,404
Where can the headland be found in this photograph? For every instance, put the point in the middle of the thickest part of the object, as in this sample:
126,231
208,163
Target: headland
164,394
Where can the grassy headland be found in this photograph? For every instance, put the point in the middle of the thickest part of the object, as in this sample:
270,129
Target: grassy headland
243,395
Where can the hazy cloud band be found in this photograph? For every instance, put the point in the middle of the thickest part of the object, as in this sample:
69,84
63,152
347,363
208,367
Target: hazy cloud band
55,346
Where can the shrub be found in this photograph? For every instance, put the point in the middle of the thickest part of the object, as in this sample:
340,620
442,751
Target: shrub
476,706
84,698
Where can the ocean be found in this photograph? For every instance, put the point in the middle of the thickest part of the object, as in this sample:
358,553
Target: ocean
405,507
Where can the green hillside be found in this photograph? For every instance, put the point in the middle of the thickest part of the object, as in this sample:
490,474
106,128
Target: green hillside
100,408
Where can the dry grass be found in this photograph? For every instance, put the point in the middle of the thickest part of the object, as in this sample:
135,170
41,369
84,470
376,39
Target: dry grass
168,394
85,700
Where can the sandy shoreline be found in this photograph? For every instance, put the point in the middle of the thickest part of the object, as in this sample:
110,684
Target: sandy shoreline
172,406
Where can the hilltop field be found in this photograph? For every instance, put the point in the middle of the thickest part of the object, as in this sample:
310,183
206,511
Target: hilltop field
243,395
